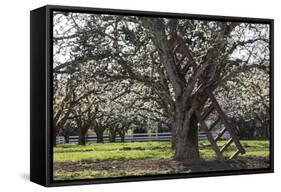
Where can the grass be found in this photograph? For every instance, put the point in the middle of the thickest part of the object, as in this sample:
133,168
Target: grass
73,161
112,151
144,150
111,155
252,147
112,146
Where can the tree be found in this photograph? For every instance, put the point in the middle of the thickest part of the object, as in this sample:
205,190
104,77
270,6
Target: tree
213,69
85,120
70,128
62,104
246,99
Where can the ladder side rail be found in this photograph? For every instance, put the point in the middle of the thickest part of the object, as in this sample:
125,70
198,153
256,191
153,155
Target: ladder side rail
226,123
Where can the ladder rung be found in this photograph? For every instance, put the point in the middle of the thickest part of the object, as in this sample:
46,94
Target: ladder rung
214,123
209,136
203,99
209,110
186,68
176,48
196,68
181,59
220,134
234,154
226,145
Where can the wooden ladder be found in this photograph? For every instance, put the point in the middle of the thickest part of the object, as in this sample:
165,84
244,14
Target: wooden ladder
203,112
209,105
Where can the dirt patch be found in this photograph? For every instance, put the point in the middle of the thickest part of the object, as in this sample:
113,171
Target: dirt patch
169,165
240,163
114,165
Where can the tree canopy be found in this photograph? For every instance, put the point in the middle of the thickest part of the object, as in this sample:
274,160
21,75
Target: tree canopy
112,71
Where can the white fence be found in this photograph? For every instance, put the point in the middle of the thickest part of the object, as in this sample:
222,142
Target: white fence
60,140
135,137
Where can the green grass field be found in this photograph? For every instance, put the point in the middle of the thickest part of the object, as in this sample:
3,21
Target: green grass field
73,161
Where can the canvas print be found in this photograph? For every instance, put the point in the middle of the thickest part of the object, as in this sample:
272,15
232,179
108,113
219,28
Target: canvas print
150,95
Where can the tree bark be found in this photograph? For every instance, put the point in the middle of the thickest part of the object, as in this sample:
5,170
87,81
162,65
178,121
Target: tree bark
174,138
66,138
267,127
122,135
123,138
186,139
99,136
112,135
82,138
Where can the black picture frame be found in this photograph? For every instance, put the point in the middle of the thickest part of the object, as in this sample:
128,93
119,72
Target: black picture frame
41,151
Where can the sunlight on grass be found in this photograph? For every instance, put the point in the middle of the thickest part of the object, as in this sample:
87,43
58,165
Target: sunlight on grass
112,155
143,150
90,153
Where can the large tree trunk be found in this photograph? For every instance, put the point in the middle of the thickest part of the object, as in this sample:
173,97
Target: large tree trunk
184,125
186,137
